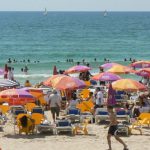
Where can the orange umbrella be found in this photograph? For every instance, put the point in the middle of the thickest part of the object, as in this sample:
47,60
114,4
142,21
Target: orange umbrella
128,85
120,69
141,64
49,81
64,82
16,96
78,68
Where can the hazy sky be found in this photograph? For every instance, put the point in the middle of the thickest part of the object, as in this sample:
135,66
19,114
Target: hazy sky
75,5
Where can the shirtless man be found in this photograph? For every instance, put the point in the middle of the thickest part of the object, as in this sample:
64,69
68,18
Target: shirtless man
113,128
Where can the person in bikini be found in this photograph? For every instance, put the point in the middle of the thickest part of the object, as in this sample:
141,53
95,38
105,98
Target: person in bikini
113,128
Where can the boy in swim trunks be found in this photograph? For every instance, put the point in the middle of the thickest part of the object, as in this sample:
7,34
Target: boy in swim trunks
113,128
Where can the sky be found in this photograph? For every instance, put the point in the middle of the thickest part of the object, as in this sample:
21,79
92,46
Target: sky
75,5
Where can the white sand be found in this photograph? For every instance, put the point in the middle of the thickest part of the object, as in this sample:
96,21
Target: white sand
94,141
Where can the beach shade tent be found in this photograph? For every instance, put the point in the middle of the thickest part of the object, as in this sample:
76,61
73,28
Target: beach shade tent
106,76
111,100
120,69
55,70
16,97
77,69
6,83
5,71
128,85
66,83
141,64
145,72
109,65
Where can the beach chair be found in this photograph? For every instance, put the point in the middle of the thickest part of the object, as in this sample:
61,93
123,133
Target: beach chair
38,119
4,109
30,106
86,115
37,109
73,114
101,114
122,114
63,125
119,96
81,128
25,129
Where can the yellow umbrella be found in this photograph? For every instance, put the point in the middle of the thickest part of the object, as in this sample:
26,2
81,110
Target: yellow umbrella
128,85
120,69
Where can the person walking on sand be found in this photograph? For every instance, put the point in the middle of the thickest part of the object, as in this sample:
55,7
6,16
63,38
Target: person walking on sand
55,104
113,128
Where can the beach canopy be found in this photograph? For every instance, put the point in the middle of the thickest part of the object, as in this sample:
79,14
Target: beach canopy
111,96
145,72
77,69
63,82
120,69
106,76
16,97
109,65
8,83
141,64
128,85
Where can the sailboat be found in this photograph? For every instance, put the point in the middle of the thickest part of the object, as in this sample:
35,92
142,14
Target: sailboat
45,12
105,13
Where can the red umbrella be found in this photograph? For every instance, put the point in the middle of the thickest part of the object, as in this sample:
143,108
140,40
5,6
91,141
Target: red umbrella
55,70
145,72
5,71
16,97
141,64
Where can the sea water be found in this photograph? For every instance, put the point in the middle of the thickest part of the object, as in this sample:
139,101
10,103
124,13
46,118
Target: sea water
48,40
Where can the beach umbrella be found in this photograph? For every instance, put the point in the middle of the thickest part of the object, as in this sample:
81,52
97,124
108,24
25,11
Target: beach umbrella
120,69
77,69
145,72
5,71
34,91
66,83
106,76
16,97
141,64
109,65
8,83
111,96
128,85
48,82
55,70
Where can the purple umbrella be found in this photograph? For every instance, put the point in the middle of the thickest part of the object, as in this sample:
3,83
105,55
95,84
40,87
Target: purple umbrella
106,76
111,96
108,65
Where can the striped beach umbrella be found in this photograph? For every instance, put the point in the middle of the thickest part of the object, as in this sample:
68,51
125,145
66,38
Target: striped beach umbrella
141,64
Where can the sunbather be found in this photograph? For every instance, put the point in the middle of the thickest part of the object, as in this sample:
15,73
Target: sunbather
113,129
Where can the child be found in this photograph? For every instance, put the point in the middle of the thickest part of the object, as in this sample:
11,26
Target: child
113,128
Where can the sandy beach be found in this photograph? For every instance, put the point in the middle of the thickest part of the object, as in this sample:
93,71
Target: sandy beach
95,140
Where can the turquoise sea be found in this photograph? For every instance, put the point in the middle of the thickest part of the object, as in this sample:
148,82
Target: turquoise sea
53,38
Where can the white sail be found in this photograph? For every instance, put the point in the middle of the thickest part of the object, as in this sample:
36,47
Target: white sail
105,13
45,12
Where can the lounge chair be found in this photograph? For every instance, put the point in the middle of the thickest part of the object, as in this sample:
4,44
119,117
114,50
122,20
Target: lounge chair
63,126
73,114
37,109
86,115
101,114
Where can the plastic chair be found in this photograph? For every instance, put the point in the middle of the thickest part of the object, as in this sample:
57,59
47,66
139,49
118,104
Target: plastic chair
30,106
63,126
37,110
4,109
30,124
101,114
